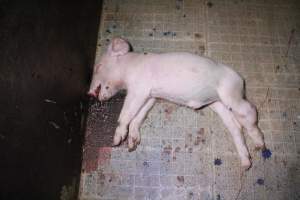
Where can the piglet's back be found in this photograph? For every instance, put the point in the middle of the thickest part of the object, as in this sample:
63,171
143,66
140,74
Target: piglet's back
183,68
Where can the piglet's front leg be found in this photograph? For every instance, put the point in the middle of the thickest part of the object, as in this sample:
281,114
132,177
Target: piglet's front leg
134,137
133,103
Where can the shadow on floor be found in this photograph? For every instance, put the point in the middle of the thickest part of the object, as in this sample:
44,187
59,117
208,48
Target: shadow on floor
47,48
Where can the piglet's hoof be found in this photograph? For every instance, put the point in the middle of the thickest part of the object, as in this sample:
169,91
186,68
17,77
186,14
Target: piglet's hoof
260,147
117,140
246,164
132,149
132,143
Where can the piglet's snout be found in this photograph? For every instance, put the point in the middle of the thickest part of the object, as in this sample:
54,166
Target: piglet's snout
94,93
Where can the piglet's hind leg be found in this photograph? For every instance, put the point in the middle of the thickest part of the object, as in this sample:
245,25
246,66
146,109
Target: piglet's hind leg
236,131
246,113
231,95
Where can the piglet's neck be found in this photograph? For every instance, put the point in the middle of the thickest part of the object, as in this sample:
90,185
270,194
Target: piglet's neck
121,70
118,78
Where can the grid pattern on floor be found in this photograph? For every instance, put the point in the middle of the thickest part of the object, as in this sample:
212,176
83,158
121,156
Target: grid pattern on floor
186,154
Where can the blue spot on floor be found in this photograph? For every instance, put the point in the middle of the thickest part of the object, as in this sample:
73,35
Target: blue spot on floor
266,153
260,181
146,164
218,161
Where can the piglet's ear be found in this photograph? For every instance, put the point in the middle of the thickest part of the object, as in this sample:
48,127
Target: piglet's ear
118,47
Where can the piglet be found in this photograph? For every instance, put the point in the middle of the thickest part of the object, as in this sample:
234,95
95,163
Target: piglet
183,78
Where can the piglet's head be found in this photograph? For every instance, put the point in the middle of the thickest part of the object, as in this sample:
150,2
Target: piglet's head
107,76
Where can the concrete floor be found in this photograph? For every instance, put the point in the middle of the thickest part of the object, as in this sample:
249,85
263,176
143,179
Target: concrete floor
186,154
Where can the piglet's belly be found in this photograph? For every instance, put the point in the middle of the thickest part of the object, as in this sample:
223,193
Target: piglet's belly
194,98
